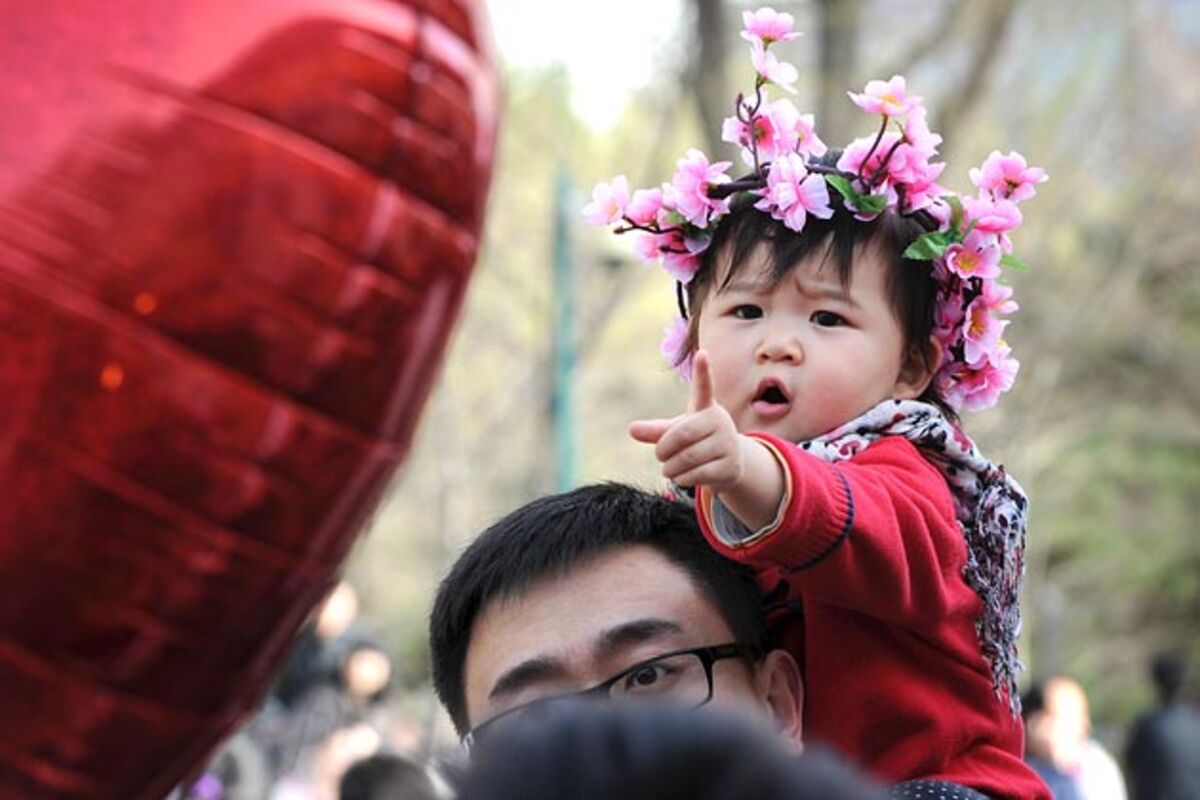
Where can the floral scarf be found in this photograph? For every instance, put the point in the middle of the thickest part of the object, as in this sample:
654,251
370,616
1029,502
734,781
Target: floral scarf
990,506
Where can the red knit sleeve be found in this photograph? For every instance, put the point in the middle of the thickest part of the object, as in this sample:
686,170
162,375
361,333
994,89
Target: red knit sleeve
875,533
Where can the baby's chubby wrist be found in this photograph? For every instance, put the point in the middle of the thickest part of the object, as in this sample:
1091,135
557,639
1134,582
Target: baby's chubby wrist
755,494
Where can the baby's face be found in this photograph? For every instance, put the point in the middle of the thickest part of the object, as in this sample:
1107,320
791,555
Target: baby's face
799,359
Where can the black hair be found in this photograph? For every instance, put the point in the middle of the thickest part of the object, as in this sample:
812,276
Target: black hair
911,287
1169,672
647,752
554,535
1034,700
386,776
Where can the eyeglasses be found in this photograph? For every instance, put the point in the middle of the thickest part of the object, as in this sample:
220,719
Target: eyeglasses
680,677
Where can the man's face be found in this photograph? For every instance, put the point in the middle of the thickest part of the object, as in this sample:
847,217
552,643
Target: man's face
629,605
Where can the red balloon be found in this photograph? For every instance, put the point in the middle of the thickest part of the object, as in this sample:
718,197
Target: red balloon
234,236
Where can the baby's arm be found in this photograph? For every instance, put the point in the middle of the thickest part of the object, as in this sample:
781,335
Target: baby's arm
703,448
876,534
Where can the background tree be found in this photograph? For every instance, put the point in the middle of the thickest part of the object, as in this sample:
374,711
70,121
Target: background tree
1103,428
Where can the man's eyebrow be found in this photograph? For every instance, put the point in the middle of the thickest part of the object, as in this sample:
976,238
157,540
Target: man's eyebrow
531,671
631,633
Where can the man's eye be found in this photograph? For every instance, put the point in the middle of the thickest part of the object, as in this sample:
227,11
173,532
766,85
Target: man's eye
747,311
828,319
650,678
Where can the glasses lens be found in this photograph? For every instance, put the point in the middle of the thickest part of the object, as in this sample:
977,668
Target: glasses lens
678,679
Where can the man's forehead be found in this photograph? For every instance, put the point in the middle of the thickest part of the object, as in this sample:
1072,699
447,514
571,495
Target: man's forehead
564,618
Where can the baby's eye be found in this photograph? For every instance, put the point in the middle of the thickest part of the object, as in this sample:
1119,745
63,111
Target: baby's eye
747,311
828,319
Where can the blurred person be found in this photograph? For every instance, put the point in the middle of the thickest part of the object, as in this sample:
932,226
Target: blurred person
1039,745
313,660
607,592
588,751
1163,755
1095,772
386,776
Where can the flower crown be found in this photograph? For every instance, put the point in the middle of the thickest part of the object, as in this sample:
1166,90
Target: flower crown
892,170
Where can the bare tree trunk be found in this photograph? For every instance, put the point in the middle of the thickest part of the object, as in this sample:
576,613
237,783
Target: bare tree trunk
838,59
993,18
708,73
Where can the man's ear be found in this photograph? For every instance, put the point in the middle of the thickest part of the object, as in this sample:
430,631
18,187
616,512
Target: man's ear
782,690
920,364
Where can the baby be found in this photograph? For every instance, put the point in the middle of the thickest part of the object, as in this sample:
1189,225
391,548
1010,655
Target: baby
831,336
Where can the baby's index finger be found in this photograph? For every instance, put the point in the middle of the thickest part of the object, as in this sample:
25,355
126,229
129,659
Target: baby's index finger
703,385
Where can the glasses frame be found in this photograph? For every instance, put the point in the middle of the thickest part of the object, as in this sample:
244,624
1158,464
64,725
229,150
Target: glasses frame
708,656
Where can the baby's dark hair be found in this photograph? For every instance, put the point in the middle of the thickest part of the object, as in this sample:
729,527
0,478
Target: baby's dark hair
912,290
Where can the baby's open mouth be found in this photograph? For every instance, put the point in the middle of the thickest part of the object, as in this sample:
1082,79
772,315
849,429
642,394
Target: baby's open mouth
772,401
772,395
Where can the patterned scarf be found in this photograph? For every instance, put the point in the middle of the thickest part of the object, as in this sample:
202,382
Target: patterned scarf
991,509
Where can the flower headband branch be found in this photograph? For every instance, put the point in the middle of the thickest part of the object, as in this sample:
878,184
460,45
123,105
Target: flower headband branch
891,171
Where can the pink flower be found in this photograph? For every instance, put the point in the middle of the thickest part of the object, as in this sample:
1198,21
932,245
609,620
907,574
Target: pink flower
888,98
767,26
977,389
853,158
792,193
981,332
775,131
608,202
1008,177
807,141
689,187
644,207
917,133
671,250
674,346
780,73
977,257
993,215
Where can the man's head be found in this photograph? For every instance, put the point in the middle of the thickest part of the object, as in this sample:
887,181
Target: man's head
571,589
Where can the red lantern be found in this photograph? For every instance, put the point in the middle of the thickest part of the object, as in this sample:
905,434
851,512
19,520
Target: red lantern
234,236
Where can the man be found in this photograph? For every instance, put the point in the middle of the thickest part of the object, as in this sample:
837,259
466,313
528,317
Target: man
1164,750
573,590
613,593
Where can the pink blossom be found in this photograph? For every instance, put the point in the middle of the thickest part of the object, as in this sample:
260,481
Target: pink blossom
889,98
608,202
994,215
977,389
977,257
644,207
688,193
1007,176
853,158
981,332
807,141
792,193
775,131
674,345
671,250
780,73
768,26
917,133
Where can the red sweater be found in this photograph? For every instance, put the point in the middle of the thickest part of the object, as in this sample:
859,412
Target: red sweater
893,671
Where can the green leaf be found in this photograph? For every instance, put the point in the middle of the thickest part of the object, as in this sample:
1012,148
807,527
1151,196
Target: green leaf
929,246
956,211
871,203
868,203
843,186
1013,263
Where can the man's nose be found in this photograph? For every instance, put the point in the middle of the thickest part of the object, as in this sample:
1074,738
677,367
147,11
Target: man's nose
780,343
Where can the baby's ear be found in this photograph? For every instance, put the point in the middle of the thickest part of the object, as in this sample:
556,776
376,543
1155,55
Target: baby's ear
920,364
